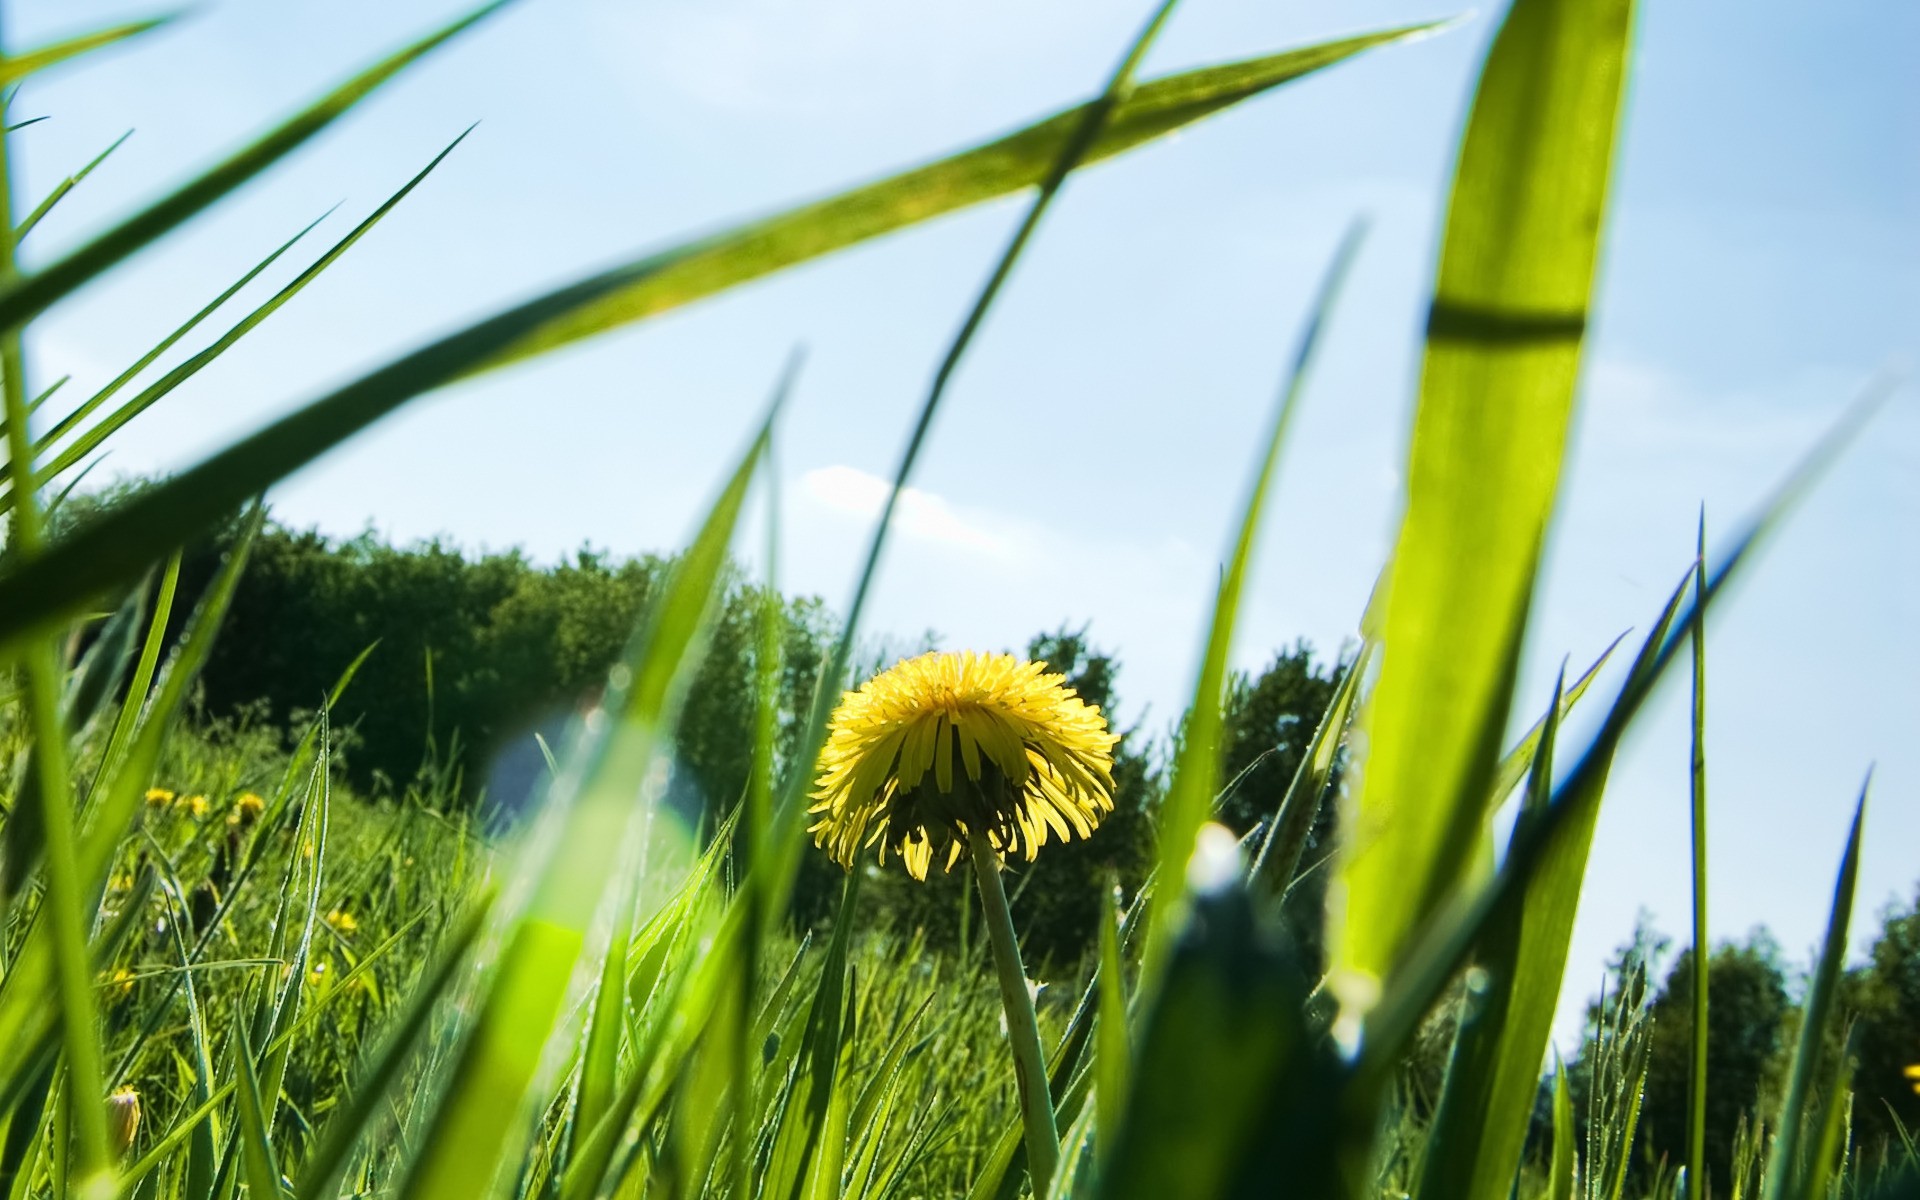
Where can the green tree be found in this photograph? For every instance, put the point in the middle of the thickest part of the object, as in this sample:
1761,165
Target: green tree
1747,1021
1883,998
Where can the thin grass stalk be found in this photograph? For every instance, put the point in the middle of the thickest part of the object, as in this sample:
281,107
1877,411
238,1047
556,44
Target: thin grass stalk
1023,1027
1697,1183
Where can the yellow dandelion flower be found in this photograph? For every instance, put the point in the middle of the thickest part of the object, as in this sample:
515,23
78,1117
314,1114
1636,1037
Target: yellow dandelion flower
123,1118
196,806
1032,757
159,797
121,980
246,809
342,921
1913,1073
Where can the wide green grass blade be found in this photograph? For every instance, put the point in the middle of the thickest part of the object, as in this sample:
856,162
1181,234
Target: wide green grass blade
24,298
1474,1143
1196,771
65,186
1792,1171
262,1165
1442,946
486,1092
18,66
1698,1182
124,541
1503,350
146,398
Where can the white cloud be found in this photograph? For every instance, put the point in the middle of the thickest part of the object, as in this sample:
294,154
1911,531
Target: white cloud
920,514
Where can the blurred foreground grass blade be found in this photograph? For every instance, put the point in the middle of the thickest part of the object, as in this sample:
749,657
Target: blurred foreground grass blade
1113,1058
66,185
1443,944
1546,835
99,433
1008,164
1792,1172
27,296
125,540
1474,1144
1503,351
486,1092
1196,770
18,66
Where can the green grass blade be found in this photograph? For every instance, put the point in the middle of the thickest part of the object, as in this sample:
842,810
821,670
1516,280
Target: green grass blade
1278,860
1519,760
66,185
487,1090
1196,772
1560,1171
368,1099
124,541
72,420
145,399
1442,947
24,298
1503,350
1020,160
1474,1144
1113,1058
1698,1182
15,67
262,1166
1790,1168
142,682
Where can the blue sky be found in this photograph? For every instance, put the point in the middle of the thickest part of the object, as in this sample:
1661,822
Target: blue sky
1763,263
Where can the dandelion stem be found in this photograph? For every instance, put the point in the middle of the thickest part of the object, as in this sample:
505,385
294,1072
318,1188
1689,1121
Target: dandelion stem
1023,1028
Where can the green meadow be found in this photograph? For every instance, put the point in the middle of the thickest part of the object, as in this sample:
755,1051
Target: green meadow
270,924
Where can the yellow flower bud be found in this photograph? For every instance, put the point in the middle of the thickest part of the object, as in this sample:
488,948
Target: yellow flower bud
123,1119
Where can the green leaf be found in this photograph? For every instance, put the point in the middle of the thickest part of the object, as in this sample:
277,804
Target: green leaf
66,185
1474,1144
19,66
1196,771
1792,1172
1560,1172
1503,350
1702,953
28,296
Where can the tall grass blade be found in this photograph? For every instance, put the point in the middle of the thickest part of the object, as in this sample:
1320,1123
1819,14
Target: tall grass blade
66,185
1565,1162
1473,1146
24,298
1504,337
15,67
1196,771
1113,1057
1792,1170
1698,1182
88,442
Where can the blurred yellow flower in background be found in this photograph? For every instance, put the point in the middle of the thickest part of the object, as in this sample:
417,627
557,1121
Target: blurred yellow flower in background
1032,757
342,921
196,806
159,797
246,809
